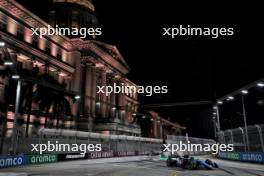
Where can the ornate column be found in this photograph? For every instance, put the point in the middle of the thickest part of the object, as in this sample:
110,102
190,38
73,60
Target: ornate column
103,95
88,90
89,99
93,91
76,79
121,104
113,100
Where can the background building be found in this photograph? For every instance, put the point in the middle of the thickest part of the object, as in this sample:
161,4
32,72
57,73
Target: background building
155,126
58,76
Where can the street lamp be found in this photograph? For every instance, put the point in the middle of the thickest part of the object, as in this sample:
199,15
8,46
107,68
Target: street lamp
8,63
260,84
219,102
245,120
244,91
2,44
15,77
77,97
14,133
216,108
230,97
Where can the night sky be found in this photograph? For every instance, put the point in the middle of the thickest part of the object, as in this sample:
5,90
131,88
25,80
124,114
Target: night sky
194,68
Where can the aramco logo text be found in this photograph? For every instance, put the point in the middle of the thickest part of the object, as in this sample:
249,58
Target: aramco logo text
11,161
35,159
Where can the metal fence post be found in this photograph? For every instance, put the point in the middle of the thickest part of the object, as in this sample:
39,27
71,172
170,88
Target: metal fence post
245,122
231,136
218,118
245,147
261,137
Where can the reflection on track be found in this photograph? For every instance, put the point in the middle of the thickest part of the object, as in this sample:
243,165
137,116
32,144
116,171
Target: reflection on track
133,168
239,171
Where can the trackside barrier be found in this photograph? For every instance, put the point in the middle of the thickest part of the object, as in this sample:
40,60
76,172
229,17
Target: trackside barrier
254,157
20,160
237,137
12,161
42,159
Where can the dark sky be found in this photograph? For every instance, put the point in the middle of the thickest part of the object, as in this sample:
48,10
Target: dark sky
194,68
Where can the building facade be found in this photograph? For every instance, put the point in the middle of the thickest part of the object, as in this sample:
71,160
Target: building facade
52,81
160,127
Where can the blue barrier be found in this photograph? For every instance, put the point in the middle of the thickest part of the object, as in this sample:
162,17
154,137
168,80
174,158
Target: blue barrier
252,157
12,161
256,157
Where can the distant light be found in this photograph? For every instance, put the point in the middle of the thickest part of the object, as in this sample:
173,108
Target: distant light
244,91
230,98
15,76
114,108
214,113
213,117
143,117
215,107
220,102
134,114
77,97
62,74
8,63
97,103
2,44
151,119
260,84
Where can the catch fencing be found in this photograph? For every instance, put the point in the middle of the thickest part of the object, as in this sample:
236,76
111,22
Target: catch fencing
244,140
121,144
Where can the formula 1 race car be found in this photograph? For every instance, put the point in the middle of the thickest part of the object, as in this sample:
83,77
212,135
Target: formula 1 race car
187,162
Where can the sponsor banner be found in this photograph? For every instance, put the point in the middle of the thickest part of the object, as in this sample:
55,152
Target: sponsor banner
72,156
120,154
95,155
252,157
39,159
230,155
12,161
256,157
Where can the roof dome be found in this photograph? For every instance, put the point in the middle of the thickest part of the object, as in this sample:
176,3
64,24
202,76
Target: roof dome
85,3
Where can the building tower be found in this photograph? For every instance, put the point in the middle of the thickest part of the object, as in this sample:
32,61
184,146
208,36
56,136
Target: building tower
73,14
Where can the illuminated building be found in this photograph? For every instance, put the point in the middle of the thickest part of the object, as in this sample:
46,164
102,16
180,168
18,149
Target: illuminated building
162,127
60,75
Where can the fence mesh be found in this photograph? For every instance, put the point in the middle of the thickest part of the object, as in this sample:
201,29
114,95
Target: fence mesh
242,143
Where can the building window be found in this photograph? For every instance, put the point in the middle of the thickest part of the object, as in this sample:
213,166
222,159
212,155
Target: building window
35,42
75,19
20,35
48,50
52,18
59,55
3,26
